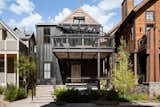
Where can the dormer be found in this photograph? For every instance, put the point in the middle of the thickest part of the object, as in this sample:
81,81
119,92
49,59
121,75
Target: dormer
79,16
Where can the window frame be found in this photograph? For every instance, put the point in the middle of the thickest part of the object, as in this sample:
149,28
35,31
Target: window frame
149,17
47,71
47,34
80,20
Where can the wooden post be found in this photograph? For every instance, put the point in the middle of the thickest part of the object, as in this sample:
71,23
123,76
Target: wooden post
5,69
98,69
135,66
17,70
157,56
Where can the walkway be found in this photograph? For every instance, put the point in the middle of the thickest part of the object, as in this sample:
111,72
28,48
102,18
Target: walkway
29,103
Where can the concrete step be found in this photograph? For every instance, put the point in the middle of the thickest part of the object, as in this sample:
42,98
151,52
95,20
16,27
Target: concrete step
44,93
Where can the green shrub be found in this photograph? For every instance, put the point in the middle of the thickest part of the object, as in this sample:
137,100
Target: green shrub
59,90
21,93
1,90
85,96
13,94
139,97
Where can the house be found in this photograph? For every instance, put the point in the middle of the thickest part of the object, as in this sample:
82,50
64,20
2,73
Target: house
140,27
10,48
13,43
28,38
74,52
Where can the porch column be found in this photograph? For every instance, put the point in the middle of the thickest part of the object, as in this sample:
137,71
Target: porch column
98,69
135,66
5,69
113,66
17,70
157,68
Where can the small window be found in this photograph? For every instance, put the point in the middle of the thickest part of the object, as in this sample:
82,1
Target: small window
79,20
140,29
2,64
47,31
46,35
150,16
4,34
149,26
47,70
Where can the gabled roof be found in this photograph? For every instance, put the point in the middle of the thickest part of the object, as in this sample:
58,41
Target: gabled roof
25,36
8,29
79,12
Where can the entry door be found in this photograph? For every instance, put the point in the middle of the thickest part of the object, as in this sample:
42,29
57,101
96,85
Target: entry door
76,73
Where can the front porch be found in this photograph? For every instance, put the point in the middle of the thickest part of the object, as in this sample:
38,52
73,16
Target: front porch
84,59
8,69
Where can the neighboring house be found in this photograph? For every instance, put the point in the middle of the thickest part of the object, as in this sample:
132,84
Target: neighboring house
140,27
10,49
28,39
74,52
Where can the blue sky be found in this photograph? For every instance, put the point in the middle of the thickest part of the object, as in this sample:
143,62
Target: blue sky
26,13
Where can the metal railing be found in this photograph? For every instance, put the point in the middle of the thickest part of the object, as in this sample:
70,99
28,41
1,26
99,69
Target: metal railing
72,41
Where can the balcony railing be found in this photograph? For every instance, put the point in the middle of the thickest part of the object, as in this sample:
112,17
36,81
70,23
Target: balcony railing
11,78
80,41
142,43
8,45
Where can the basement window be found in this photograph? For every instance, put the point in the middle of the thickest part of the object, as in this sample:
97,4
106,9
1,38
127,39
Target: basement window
79,20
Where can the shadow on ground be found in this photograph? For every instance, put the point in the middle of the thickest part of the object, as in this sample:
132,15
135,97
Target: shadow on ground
90,105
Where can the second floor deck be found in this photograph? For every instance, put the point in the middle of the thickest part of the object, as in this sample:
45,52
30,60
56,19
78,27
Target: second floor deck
82,43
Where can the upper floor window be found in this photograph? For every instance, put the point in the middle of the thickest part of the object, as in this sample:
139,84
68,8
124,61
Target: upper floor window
47,35
47,31
79,20
149,26
150,16
4,34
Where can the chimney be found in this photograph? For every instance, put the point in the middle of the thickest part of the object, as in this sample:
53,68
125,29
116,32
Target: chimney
127,7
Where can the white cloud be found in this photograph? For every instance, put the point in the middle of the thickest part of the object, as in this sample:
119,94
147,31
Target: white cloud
2,5
93,10
100,15
22,6
137,1
109,4
61,16
28,22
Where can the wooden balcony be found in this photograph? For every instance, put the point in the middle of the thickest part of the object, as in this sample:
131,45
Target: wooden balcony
82,45
8,45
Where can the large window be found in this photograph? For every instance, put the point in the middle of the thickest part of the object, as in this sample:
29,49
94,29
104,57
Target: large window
47,35
79,20
150,16
47,70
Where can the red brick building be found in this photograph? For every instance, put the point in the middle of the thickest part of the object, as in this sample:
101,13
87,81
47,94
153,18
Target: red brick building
140,27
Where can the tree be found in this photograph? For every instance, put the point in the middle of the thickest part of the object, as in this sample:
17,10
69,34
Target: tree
124,79
27,71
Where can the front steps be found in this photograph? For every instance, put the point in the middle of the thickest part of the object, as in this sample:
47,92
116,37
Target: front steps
44,93
82,86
